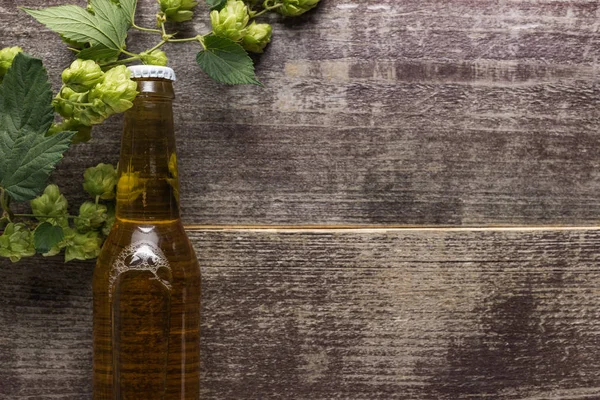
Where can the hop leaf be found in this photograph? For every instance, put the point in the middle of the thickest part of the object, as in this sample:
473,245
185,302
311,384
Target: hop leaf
100,181
156,57
7,55
82,75
231,21
226,61
128,7
217,4
91,216
27,155
116,92
178,10
16,242
293,8
73,44
257,37
103,24
46,238
51,206
82,246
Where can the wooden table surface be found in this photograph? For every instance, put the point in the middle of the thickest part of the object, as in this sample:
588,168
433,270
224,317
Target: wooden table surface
407,210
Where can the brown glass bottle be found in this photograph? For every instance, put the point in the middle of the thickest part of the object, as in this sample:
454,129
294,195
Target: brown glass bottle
147,280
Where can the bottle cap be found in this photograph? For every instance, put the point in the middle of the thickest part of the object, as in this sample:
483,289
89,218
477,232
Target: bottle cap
152,71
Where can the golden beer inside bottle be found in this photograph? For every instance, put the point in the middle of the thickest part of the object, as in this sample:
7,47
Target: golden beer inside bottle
147,279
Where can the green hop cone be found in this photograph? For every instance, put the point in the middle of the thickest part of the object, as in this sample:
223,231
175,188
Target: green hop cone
100,181
257,37
7,55
16,242
116,92
51,206
92,115
91,216
84,133
110,219
293,8
65,102
231,21
129,187
177,10
156,57
82,75
172,180
82,246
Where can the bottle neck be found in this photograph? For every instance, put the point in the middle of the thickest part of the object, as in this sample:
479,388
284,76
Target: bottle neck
148,185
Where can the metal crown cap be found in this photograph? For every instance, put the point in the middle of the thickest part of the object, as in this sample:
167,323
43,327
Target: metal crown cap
152,71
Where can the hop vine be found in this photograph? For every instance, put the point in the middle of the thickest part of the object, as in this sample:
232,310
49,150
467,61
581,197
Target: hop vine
95,86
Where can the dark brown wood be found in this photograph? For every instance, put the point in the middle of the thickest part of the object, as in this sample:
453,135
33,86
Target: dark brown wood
348,314
381,112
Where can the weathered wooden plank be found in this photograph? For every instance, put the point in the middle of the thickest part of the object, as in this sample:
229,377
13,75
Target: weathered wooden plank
369,314
383,112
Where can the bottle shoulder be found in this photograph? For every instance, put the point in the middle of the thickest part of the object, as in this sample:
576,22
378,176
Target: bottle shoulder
152,241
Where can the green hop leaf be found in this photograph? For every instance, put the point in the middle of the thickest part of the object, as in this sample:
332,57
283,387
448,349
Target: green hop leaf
91,216
156,57
51,206
98,53
257,37
27,156
110,219
100,181
73,44
82,75
103,23
293,8
128,7
116,92
82,246
16,242
47,236
226,61
178,10
83,133
216,4
230,22
7,55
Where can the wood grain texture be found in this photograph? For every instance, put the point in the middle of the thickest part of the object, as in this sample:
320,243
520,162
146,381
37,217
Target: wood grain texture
460,112
367,314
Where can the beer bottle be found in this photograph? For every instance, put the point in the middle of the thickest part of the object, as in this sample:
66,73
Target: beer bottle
146,282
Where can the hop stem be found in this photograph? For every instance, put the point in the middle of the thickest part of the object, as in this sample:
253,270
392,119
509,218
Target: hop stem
5,204
267,9
149,30
43,216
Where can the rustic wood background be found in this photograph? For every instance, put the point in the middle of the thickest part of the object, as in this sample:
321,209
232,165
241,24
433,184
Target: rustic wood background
460,115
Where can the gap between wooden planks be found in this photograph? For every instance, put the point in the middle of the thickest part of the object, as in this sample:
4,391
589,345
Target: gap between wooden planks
380,228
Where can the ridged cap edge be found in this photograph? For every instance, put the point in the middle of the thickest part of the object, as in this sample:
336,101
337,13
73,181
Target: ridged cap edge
152,71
